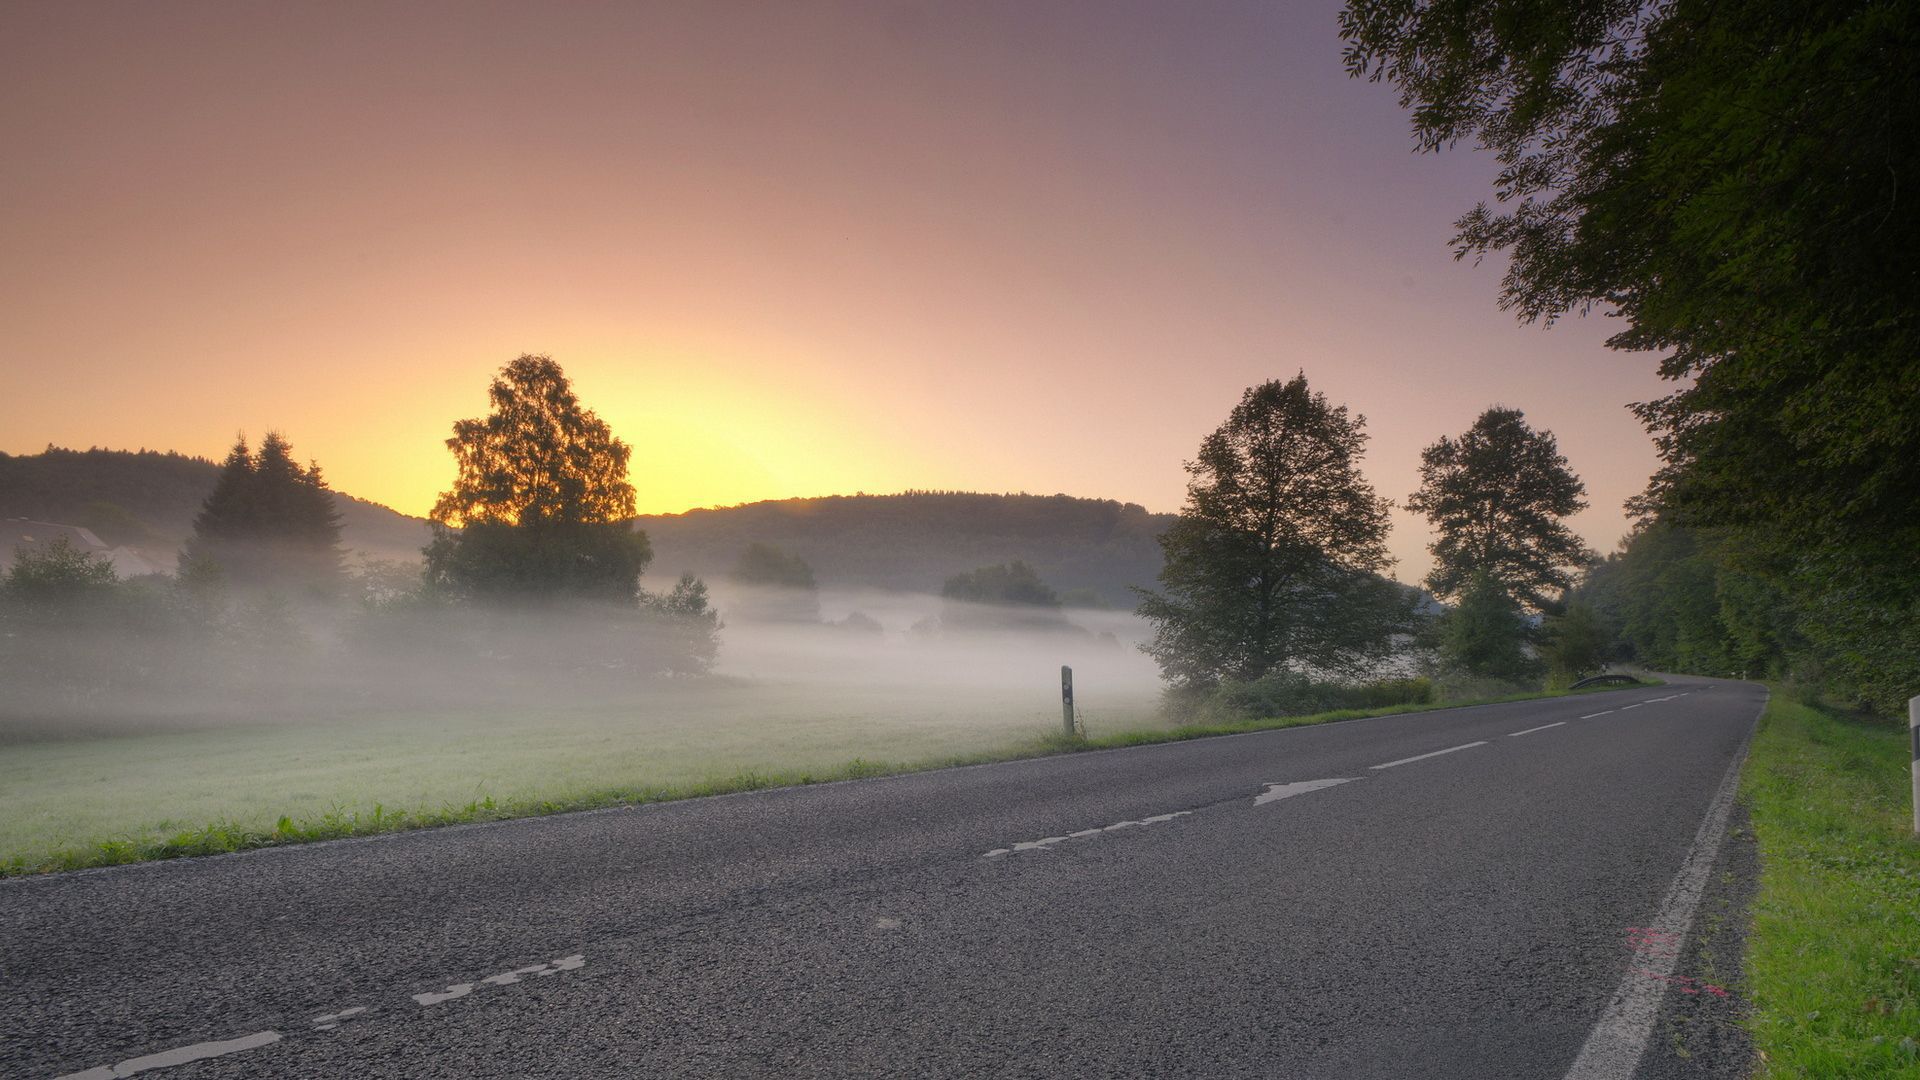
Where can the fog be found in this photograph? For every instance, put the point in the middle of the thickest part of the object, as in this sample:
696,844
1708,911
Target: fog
153,656
918,640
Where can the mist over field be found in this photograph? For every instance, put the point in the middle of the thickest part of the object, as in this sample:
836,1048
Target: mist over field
127,726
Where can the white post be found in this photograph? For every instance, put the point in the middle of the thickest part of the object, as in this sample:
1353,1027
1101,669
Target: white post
1066,701
1913,737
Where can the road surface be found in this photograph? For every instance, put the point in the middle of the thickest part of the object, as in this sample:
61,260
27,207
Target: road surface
1536,889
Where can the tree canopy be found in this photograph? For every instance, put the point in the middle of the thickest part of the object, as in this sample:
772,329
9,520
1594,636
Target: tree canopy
1275,558
1727,179
1012,584
541,502
1497,497
269,523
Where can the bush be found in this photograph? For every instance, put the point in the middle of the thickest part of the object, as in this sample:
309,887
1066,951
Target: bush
1287,693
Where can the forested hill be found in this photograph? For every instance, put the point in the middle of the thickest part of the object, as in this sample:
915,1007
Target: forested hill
147,500
914,542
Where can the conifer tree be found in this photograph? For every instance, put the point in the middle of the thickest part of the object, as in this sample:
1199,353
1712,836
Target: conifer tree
268,523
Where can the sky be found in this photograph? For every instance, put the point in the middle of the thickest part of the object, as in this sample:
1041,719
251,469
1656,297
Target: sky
782,249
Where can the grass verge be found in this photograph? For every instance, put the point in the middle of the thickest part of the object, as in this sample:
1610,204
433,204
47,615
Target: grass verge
220,838
1833,957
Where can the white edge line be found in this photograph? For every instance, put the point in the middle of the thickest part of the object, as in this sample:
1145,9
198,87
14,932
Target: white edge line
1619,1038
1531,730
1436,753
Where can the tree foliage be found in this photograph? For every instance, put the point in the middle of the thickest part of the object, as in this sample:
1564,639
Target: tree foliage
1727,178
540,505
1486,634
1011,584
1274,560
268,523
1498,497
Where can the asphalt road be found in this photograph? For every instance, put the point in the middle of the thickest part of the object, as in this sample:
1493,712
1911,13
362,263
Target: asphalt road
1503,891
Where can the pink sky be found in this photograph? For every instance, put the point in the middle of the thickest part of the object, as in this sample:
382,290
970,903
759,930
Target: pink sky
783,249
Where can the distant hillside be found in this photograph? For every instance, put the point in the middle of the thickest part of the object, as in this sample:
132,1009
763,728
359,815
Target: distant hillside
914,542
147,500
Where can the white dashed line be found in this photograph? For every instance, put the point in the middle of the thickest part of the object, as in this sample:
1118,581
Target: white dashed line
1591,715
1046,842
1635,705
181,1055
1436,753
1531,730
333,1020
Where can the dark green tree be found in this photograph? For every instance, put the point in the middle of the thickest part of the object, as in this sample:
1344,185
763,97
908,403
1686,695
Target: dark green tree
1575,642
765,564
691,623
780,587
540,506
1497,497
1728,179
1009,584
1275,560
1486,633
269,523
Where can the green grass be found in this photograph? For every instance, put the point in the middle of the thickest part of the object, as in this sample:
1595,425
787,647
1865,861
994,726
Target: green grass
1833,957
102,800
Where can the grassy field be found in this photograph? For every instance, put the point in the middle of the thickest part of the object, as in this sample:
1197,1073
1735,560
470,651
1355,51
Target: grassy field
1834,952
106,798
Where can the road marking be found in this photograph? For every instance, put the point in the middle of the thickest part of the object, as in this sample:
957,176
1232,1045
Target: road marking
1635,705
181,1055
1619,1039
505,978
1531,730
1046,842
1591,715
1298,787
1436,753
333,1020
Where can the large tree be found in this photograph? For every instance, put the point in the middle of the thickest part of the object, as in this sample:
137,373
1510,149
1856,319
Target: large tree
1275,560
1733,180
270,522
1497,497
541,504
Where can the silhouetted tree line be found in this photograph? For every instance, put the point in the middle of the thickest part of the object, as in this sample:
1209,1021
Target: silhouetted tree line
532,576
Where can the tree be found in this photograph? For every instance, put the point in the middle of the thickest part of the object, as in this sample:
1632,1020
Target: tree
1013,584
780,586
541,502
1497,497
1728,178
1274,561
1485,634
765,564
269,523
692,625
1575,642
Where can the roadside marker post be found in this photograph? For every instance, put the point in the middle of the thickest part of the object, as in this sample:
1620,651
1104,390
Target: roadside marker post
1913,736
1066,706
